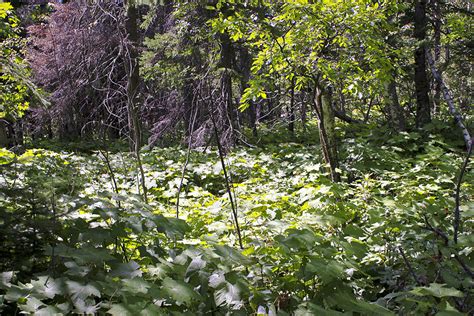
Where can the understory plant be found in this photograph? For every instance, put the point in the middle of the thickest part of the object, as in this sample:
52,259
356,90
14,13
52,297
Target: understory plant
380,242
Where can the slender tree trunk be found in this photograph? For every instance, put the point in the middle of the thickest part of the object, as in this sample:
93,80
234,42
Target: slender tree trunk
437,52
275,107
189,92
5,137
322,103
291,110
226,61
245,63
18,128
304,110
450,101
252,113
468,139
393,108
423,109
133,73
49,127
188,96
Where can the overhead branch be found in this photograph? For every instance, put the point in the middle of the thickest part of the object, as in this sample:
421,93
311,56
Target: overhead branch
346,118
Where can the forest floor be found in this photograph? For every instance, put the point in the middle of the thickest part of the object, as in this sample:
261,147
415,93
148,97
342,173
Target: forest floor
370,244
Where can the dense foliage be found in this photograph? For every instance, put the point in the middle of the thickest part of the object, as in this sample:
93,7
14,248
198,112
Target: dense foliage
236,158
308,243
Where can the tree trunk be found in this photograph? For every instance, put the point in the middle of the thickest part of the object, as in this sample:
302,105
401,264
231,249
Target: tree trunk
188,99
322,102
291,110
18,130
133,73
227,111
450,101
245,63
5,134
423,110
437,52
392,107
303,109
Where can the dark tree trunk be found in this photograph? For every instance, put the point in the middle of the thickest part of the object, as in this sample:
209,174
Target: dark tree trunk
423,109
437,52
133,82
68,129
133,73
18,130
11,133
6,134
252,112
227,110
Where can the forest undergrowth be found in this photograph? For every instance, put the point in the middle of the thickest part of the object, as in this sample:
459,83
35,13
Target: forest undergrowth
378,243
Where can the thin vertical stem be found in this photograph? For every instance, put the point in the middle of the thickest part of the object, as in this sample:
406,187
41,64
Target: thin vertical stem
227,182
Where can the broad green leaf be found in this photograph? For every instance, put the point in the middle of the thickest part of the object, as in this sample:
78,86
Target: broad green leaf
436,290
6,156
136,285
81,291
5,279
32,305
179,291
126,270
227,253
308,309
228,295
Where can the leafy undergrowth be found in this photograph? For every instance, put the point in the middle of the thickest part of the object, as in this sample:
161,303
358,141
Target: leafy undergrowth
72,242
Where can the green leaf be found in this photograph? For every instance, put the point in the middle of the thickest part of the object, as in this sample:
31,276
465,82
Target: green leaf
216,279
227,253
86,254
126,270
346,300
159,270
136,285
48,311
179,291
82,291
48,287
447,310
436,290
229,295
16,293
173,227
6,156
32,305
120,310
307,309
326,270
196,264
5,279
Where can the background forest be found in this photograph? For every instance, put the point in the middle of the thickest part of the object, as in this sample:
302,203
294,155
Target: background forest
236,157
